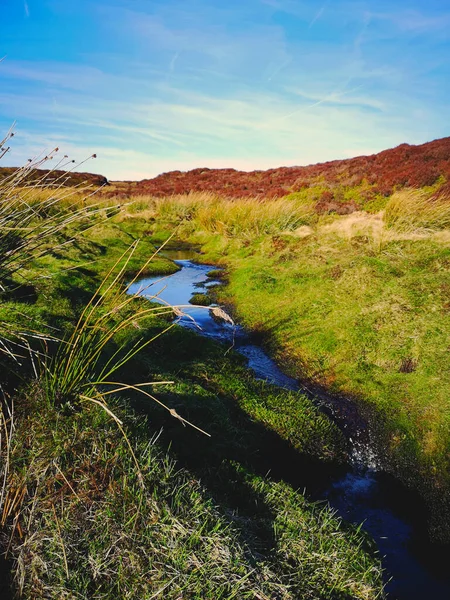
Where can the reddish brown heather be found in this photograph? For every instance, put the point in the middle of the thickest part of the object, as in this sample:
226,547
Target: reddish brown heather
403,166
382,173
69,178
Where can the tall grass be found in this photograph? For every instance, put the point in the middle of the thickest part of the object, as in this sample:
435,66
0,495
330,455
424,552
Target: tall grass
38,215
229,217
409,211
83,367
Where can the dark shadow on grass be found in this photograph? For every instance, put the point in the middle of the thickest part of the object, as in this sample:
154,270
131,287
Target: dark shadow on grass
239,446
17,292
6,583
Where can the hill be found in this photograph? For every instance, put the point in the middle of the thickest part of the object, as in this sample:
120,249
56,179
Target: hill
369,177
67,178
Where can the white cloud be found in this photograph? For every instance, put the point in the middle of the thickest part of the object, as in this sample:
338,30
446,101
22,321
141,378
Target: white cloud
318,15
200,92
193,130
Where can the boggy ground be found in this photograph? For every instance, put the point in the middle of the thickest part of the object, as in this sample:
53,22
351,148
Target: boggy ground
357,304
94,507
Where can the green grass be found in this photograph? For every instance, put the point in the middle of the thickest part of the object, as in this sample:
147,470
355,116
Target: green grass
201,299
93,530
358,304
100,511
215,273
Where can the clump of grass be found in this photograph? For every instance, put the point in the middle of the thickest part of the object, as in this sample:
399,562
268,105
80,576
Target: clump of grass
201,300
215,273
33,211
416,210
230,217
38,216
81,369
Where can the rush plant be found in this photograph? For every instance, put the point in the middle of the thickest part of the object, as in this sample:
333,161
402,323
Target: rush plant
83,367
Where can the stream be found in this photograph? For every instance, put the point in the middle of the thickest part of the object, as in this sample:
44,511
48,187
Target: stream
415,569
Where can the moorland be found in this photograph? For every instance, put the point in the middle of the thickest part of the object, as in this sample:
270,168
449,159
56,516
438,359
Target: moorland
341,271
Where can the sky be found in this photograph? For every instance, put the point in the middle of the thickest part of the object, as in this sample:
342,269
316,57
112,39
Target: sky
153,86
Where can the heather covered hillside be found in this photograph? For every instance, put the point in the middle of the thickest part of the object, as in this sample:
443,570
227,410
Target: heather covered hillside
340,185
57,177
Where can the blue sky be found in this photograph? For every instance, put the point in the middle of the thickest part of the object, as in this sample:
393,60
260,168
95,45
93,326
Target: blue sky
152,86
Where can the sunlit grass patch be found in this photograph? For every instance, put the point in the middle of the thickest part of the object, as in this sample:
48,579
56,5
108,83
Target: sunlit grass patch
416,210
93,527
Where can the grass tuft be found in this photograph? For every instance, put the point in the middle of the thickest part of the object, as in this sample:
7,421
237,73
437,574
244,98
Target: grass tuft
411,211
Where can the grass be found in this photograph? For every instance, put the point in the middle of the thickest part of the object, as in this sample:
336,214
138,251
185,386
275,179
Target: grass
94,531
208,212
357,304
413,210
97,502
35,215
201,300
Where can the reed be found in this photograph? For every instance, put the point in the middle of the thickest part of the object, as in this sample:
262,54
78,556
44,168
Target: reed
35,209
38,215
229,217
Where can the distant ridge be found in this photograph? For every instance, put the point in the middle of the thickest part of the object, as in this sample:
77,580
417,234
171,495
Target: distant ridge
374,175
382,173
67,178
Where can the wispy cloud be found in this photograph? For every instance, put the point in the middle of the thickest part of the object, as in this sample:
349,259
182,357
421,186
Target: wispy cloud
318,15
416,21
253,131
173,61
26,9
249,85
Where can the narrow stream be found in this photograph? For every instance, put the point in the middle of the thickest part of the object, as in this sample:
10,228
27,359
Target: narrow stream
415,569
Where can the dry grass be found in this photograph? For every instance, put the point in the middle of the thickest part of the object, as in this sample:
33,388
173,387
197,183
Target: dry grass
409,215
415,211
377,232
38,215
228,217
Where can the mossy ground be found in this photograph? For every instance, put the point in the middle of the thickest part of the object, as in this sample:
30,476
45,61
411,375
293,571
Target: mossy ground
201,299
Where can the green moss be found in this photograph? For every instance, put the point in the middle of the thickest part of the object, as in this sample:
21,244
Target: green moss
215,273
201,299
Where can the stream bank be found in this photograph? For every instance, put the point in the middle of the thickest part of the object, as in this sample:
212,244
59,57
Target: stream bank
391,514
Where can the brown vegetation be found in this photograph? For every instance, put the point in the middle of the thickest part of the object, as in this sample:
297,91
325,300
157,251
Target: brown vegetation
66,178
380,174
